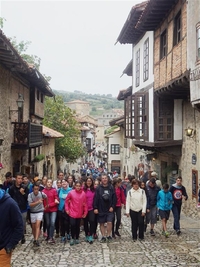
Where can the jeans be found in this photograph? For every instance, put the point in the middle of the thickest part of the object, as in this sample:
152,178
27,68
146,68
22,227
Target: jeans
176,210
50,218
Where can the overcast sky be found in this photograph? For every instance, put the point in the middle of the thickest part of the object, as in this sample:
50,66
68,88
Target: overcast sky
75,41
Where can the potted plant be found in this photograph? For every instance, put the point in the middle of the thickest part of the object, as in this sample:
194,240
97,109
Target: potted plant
38,158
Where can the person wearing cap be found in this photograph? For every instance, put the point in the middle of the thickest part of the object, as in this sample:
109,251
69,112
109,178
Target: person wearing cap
155,176
11,227
152,192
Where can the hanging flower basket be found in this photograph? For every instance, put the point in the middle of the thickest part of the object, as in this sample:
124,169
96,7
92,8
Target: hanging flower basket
38,158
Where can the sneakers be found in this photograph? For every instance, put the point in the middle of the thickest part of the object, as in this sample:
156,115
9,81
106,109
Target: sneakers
166,234
95,236
178,232
90,239
163,232
63,239
44,234
87,238
103,240
34,242
77,242
72,242
68,237
117,233
109,238
113,236
23,240
51,241
152,232
37,244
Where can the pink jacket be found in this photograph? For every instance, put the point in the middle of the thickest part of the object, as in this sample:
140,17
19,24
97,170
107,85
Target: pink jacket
89,198
50,201
75,204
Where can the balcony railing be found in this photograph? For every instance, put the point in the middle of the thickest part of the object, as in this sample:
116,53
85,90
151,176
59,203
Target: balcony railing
26,135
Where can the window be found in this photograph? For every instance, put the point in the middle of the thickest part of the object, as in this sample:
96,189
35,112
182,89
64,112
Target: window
146,60
137,68
114,149
136,116
163,44
128,117
141,115
165,120
198,41
177,28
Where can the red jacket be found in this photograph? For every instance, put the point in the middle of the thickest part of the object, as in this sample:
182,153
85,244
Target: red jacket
120,197
76,204
50,201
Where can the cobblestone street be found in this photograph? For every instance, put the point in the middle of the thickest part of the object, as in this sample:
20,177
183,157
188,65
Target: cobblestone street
183,250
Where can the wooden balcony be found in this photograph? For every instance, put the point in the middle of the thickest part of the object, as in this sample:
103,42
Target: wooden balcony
26,135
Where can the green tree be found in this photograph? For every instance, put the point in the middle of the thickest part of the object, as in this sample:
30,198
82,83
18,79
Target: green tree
22,47
61,118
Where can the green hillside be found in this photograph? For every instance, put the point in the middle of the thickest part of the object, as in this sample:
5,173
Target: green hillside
107,102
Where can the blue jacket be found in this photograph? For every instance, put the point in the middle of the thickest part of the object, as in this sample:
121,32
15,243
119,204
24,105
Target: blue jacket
164,200
11,223
62,194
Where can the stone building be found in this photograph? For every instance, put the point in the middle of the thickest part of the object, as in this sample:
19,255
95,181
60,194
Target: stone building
23,89
175,101
82,108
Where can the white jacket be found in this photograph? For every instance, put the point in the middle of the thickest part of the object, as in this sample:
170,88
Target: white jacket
136,200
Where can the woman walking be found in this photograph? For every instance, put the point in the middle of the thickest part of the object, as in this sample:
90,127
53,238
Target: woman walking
63,216
89,221
136,203
117,182
50,211
76,208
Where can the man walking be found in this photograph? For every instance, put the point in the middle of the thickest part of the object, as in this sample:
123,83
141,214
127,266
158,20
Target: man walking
11,227
20,194
104,203
178,193
152,191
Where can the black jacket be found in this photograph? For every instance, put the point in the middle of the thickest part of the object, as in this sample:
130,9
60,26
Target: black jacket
22,200
11,223
152,195
100,203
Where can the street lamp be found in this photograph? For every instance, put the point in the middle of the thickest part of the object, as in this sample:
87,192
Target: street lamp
20,103
47,137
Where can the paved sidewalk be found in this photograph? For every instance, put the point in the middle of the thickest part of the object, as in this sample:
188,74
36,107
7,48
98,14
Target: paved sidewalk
183,250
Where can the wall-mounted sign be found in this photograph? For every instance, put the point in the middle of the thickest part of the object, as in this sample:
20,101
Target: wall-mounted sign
194,159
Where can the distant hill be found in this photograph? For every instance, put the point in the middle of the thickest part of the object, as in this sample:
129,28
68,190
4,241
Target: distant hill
98,103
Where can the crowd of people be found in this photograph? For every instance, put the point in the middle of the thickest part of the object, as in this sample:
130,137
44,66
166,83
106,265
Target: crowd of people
62,207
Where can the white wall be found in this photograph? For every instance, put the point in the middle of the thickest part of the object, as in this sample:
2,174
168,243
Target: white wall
178,119
140,45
